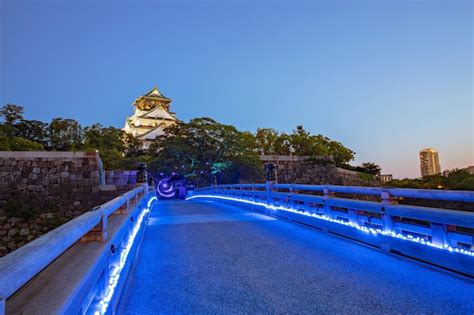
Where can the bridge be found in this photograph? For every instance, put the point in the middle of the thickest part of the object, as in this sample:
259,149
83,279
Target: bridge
260,248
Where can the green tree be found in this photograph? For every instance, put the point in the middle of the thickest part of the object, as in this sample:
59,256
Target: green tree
18,134
265,140
33,130
133,146
203,149
301,142
370,168
100,138
4,141
282,145
117,149
65,134
11,113
340,153
21,144
454,179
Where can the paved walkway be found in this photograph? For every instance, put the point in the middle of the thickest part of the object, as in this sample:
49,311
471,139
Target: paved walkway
201,257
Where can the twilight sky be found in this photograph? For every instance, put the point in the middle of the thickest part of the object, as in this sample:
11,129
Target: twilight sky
385,78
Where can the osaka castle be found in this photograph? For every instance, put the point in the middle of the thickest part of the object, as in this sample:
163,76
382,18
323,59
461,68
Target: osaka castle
152,115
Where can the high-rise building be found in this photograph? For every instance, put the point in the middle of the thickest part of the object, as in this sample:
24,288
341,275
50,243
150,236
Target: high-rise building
429,162
152,114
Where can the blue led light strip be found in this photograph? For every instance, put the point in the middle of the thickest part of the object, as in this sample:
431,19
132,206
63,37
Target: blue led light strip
117,269
365,229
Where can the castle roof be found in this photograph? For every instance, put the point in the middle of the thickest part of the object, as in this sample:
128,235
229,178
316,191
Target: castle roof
155,93
157,112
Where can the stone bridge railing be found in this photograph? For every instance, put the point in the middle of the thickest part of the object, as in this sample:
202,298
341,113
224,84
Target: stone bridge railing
77,267
441,237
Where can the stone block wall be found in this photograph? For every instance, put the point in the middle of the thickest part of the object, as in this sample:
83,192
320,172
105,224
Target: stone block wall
315,170
120,177
42,190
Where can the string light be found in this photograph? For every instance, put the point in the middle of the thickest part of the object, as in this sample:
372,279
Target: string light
368,230
117,269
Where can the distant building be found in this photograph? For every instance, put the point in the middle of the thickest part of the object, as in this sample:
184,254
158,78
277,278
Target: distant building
429,162
152,115
470,169
384,178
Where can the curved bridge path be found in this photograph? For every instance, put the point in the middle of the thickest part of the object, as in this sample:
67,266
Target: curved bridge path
203,257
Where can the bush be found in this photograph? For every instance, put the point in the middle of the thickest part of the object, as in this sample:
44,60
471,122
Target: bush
365,176
21,144
455,180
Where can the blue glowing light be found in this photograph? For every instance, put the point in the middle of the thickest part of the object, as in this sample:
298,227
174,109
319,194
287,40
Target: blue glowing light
362,228
117,269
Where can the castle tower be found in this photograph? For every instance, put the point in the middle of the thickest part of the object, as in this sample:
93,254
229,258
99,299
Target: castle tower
152,115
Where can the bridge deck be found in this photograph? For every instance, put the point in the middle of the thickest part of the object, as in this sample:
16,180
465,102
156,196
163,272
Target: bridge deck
200,257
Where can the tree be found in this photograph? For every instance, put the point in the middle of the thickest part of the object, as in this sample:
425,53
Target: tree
370,168
133,146
366,167
18,134
265,140
117,149
340,153
33,130
100,138
282,145
65,134
301,142
93,137
21,144
454,179
4,141
11,113
203,150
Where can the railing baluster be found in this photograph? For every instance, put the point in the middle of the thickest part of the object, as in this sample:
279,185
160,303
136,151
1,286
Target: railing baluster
99,232
327,208
387,199
376,225
438,233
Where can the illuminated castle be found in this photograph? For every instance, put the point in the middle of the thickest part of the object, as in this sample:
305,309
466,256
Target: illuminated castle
152,115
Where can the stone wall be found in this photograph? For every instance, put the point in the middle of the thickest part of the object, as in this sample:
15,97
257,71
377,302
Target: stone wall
315,170
120,177
42,190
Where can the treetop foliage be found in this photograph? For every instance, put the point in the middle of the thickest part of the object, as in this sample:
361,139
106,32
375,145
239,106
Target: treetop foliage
455,180
301,143
203,149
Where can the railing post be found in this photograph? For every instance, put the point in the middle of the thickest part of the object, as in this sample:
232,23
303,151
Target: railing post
290,201
327,195
352,214
99,232
136,197
125,208
268,190
387,199
438,233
